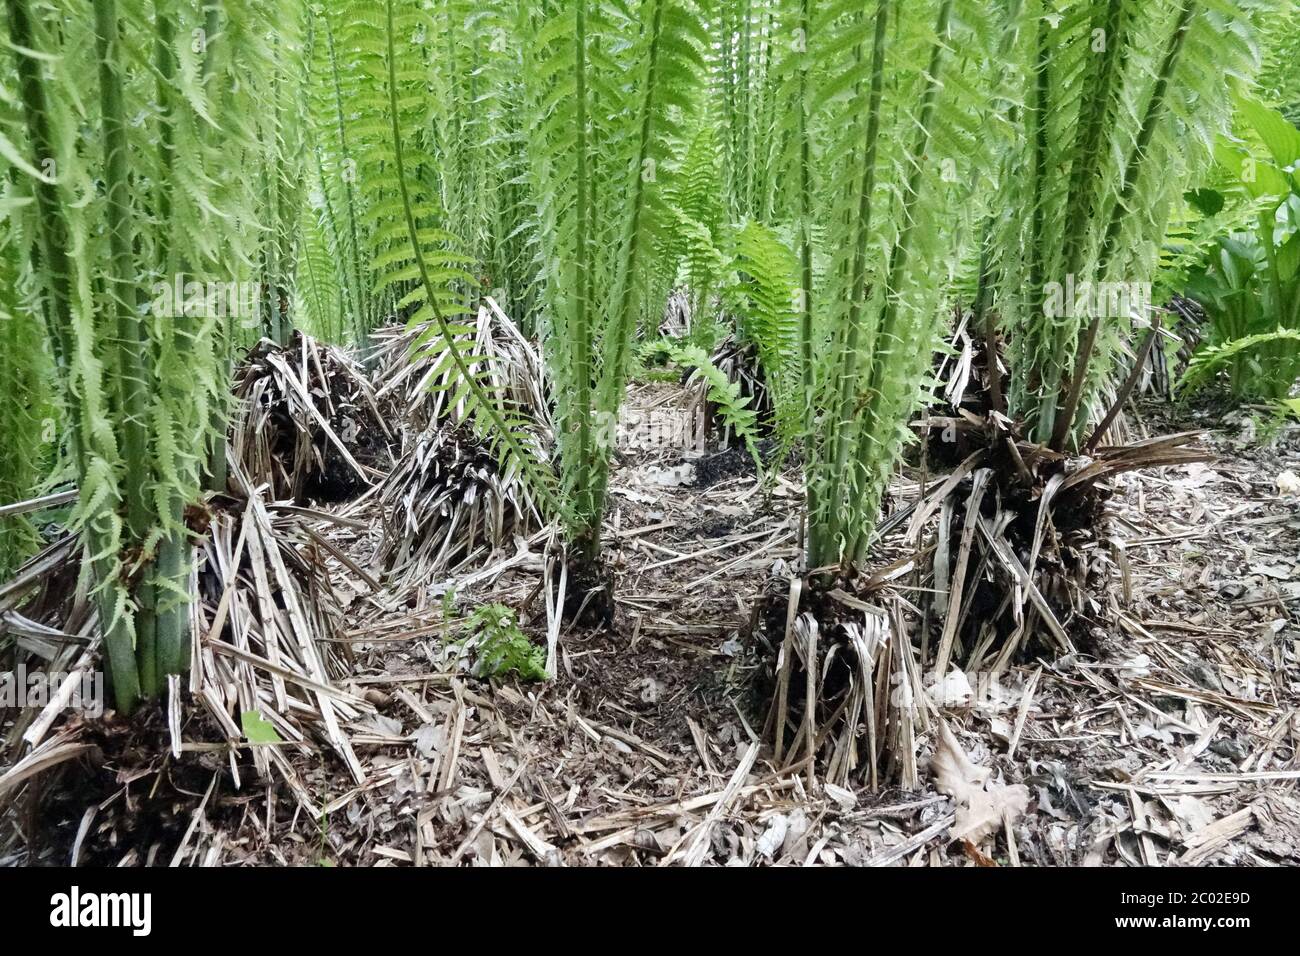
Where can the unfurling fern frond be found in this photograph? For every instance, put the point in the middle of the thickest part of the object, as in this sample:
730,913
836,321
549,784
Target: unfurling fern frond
766,300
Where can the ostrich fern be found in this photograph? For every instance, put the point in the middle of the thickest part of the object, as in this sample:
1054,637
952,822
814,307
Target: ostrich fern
600,151
866,356
93,447
127,211
851,110
689,250
322,301
1112,91
828,171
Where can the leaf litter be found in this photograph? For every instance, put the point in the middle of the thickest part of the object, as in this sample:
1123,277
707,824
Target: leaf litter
1170,740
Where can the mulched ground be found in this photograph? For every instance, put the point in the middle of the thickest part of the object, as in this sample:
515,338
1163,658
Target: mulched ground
1175,743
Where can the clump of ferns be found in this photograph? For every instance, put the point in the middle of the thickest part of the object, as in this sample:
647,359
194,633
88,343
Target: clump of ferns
862,330
1146,112
141,390
1032,393
474,459
1013,532
609,113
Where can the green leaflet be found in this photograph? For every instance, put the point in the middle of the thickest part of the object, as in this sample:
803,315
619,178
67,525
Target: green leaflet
725,394
257,729
499,648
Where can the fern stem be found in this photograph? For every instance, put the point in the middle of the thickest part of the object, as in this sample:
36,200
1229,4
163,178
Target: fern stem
619,333
132,345
824,528
982,317
120,288
588,542
745,113
806,373
1132,170
360,303
215,468
1037,119
727,60
55,274
882,352
805,227
170,610
164,64
336,243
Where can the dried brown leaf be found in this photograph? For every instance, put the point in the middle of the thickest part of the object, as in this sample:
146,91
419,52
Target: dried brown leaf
982,804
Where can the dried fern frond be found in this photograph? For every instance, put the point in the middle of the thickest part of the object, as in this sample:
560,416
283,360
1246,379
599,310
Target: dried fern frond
309,424
448,504
270,620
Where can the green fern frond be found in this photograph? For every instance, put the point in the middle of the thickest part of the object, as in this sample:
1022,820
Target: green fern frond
724,394
767,301
507,435
500,648
1211,359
